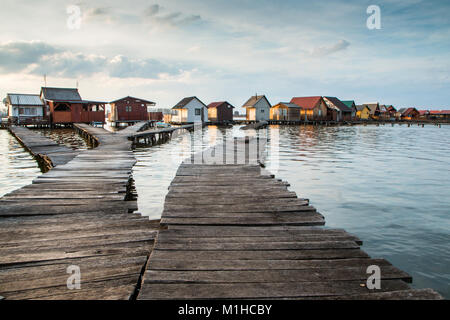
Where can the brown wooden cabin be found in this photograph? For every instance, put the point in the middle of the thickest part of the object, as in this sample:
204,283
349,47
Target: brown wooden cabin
409,114
155,116
220,112
66,106
337,110
312,108
129,109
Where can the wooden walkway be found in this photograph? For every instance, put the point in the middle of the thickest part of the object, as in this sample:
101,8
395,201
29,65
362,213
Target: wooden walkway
75,214
235,232
47,152
150,135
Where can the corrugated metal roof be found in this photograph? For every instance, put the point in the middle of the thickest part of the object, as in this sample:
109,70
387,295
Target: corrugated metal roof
24,99
61,94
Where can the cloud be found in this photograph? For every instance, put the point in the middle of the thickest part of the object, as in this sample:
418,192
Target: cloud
39,58
327,50
157,14
152,10
99,14
15,56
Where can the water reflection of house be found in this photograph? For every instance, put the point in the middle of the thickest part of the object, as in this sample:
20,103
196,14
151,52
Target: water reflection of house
257,108
130,109
190,110
337,109
362,112
220,112
352,105
311,108
285,111
66,106
24,108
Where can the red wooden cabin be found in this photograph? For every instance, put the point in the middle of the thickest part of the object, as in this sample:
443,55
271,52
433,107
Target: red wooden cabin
129,109
66,106
220,112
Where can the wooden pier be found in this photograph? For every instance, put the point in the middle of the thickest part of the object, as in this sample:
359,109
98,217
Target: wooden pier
236,232
228,231
77,214
151,136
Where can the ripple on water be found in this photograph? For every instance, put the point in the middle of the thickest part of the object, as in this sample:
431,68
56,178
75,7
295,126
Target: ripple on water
18,166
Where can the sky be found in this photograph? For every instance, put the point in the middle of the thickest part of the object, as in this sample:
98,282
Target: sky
229,50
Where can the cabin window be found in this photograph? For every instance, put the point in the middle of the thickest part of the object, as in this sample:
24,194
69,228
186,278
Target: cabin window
198,112
85,108
62,107
128,108
262,110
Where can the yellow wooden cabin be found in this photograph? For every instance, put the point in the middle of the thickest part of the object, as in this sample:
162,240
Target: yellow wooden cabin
285,111
363,112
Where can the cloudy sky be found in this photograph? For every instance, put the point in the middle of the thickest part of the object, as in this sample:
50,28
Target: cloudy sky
229,49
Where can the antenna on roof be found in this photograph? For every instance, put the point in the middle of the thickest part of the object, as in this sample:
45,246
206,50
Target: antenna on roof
45,80
77,84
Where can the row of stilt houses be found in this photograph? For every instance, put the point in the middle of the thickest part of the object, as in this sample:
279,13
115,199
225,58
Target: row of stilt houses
65,106
298,109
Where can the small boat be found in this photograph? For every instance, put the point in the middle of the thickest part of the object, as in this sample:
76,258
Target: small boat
162,125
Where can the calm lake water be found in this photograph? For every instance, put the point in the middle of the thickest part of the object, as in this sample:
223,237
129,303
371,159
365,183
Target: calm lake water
18,168
387,185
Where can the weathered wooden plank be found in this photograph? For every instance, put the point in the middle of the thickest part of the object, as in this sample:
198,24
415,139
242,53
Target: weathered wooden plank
313,254
221,265
282,238
297,275
294,220
260,290
292,245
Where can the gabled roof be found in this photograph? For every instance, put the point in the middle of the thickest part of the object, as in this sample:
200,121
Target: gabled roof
390,108
383,108
401,110
409,111
373,107
60,94
339,104
218,104
24,99
361,107
287,104
349,103
254,100
130,97
184,102
306,102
